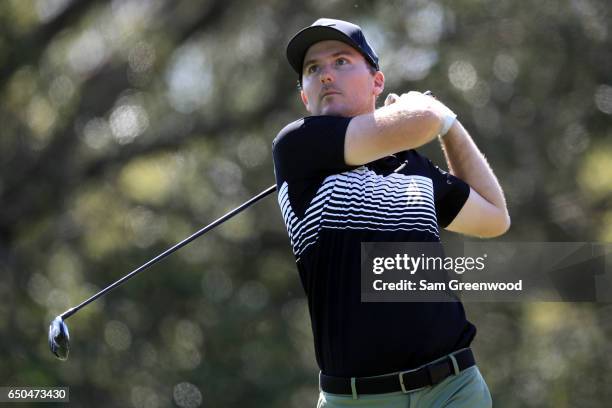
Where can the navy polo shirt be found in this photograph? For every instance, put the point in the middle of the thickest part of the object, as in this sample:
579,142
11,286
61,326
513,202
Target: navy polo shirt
329,208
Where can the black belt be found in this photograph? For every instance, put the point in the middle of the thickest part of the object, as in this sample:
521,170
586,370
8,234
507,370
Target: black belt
406,381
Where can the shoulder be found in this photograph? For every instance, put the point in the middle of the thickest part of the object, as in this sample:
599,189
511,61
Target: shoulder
311,126
287,130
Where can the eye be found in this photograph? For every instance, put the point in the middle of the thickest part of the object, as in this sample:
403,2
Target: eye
311,69
341,61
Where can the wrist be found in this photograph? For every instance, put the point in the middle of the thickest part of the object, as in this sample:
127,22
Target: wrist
445,114
447,119
450,133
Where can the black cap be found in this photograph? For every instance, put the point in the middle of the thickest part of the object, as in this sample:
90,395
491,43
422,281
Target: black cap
328,29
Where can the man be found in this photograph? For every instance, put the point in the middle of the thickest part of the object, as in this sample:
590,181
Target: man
342,175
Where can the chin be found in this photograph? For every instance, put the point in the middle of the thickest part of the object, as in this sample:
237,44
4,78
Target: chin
335,111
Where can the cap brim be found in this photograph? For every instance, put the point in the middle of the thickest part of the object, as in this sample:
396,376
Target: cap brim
299,44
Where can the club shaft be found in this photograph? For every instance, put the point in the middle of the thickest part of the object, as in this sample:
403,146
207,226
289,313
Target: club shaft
168,251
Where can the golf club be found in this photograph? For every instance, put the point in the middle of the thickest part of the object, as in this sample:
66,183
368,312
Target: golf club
59,338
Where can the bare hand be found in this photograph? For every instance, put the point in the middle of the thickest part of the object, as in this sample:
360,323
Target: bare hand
412,100
391,98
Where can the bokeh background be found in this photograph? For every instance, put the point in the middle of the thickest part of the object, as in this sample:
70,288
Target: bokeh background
127,125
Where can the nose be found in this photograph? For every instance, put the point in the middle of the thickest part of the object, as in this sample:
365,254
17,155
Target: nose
326,76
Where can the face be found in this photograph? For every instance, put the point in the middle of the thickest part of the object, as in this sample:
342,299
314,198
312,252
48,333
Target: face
337,80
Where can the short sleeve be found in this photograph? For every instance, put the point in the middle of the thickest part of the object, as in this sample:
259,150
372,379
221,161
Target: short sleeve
450,194
312,147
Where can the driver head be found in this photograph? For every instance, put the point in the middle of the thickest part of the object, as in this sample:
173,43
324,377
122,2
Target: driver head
59,339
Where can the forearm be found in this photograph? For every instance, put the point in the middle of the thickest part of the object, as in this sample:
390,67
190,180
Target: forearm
404,128
388,130
465,161
405,122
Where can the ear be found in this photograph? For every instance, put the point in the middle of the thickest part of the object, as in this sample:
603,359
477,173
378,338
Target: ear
304,99
379,83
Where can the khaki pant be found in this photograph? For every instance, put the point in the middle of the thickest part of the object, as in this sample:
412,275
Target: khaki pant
466,389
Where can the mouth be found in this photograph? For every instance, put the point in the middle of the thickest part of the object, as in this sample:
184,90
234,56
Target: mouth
328,93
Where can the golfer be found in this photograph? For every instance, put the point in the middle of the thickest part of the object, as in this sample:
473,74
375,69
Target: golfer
347,174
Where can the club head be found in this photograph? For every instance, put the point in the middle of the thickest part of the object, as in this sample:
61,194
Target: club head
59,339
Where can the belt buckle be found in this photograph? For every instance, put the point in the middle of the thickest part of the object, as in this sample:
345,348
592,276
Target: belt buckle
401,380
438,371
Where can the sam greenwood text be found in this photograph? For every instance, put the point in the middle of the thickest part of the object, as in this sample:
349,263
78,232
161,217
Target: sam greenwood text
455,285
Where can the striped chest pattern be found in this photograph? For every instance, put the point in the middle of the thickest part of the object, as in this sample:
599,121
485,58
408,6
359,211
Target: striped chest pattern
360,199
